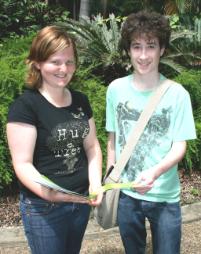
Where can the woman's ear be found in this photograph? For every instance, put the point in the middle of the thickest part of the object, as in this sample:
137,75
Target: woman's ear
37,65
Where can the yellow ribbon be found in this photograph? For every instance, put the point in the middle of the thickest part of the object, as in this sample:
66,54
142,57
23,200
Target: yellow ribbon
110,186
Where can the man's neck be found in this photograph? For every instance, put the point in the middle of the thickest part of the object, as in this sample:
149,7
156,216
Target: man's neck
146,83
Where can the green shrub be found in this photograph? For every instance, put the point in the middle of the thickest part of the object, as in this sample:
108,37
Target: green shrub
192,82
12,71
16,45
96,92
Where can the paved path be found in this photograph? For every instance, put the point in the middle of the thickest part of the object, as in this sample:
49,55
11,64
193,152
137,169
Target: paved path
98,241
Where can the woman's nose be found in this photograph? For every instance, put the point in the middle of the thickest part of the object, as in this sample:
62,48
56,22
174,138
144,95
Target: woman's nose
63,67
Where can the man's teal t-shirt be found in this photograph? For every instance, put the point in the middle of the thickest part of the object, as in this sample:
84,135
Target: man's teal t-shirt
172,121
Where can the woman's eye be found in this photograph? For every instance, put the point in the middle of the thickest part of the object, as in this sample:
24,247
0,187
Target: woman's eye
55,62
70,62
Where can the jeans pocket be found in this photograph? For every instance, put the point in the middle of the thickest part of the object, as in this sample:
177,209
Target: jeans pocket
174,209
34,206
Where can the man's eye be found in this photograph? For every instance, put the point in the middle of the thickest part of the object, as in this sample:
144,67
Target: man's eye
135,46
152,46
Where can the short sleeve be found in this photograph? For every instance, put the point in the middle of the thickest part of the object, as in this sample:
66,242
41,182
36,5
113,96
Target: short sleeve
88,108
21,110
184,127
80,99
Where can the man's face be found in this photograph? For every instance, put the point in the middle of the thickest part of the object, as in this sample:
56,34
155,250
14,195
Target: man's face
145,55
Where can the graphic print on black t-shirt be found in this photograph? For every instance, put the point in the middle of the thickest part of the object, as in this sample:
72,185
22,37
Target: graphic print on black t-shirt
67,139
157,127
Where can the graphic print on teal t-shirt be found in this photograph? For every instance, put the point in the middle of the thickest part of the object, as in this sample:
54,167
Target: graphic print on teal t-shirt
156,128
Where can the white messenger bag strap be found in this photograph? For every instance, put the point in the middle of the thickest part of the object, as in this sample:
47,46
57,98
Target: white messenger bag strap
138,130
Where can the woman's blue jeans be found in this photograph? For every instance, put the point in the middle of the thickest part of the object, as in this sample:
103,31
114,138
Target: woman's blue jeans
53,228
165,225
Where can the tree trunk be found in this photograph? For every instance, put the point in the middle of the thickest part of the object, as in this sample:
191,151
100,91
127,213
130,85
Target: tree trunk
84,9
51,1
104,4
73,6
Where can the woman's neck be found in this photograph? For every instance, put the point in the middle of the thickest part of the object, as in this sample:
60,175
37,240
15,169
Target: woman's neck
59,97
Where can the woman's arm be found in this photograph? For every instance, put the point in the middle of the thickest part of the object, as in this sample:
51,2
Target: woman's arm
21,140
94,155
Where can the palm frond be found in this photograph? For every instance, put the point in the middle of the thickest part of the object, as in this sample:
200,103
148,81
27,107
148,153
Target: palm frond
98,38
172,64
181,35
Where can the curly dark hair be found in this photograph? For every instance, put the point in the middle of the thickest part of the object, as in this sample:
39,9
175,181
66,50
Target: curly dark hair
148,24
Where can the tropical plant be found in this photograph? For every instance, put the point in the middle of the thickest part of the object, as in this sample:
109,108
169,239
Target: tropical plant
177,57
182,6
186,39
98,42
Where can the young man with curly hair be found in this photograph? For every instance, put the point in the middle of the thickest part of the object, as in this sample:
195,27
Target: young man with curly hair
154,162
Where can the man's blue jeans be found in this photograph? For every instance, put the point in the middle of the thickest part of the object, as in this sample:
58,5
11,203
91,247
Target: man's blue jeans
165,225
53,228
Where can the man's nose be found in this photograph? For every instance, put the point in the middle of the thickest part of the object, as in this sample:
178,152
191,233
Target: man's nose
143,52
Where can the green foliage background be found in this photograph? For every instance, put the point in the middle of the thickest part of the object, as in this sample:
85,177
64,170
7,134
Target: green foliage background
94,88
191,80
100,63
20,17
12,73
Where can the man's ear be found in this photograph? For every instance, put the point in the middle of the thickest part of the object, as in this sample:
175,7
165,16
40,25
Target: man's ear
162,51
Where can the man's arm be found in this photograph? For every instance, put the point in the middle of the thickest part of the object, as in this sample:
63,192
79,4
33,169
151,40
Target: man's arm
147,177
111,158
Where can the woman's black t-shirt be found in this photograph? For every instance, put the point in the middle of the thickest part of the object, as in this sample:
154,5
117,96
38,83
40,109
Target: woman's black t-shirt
59,153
